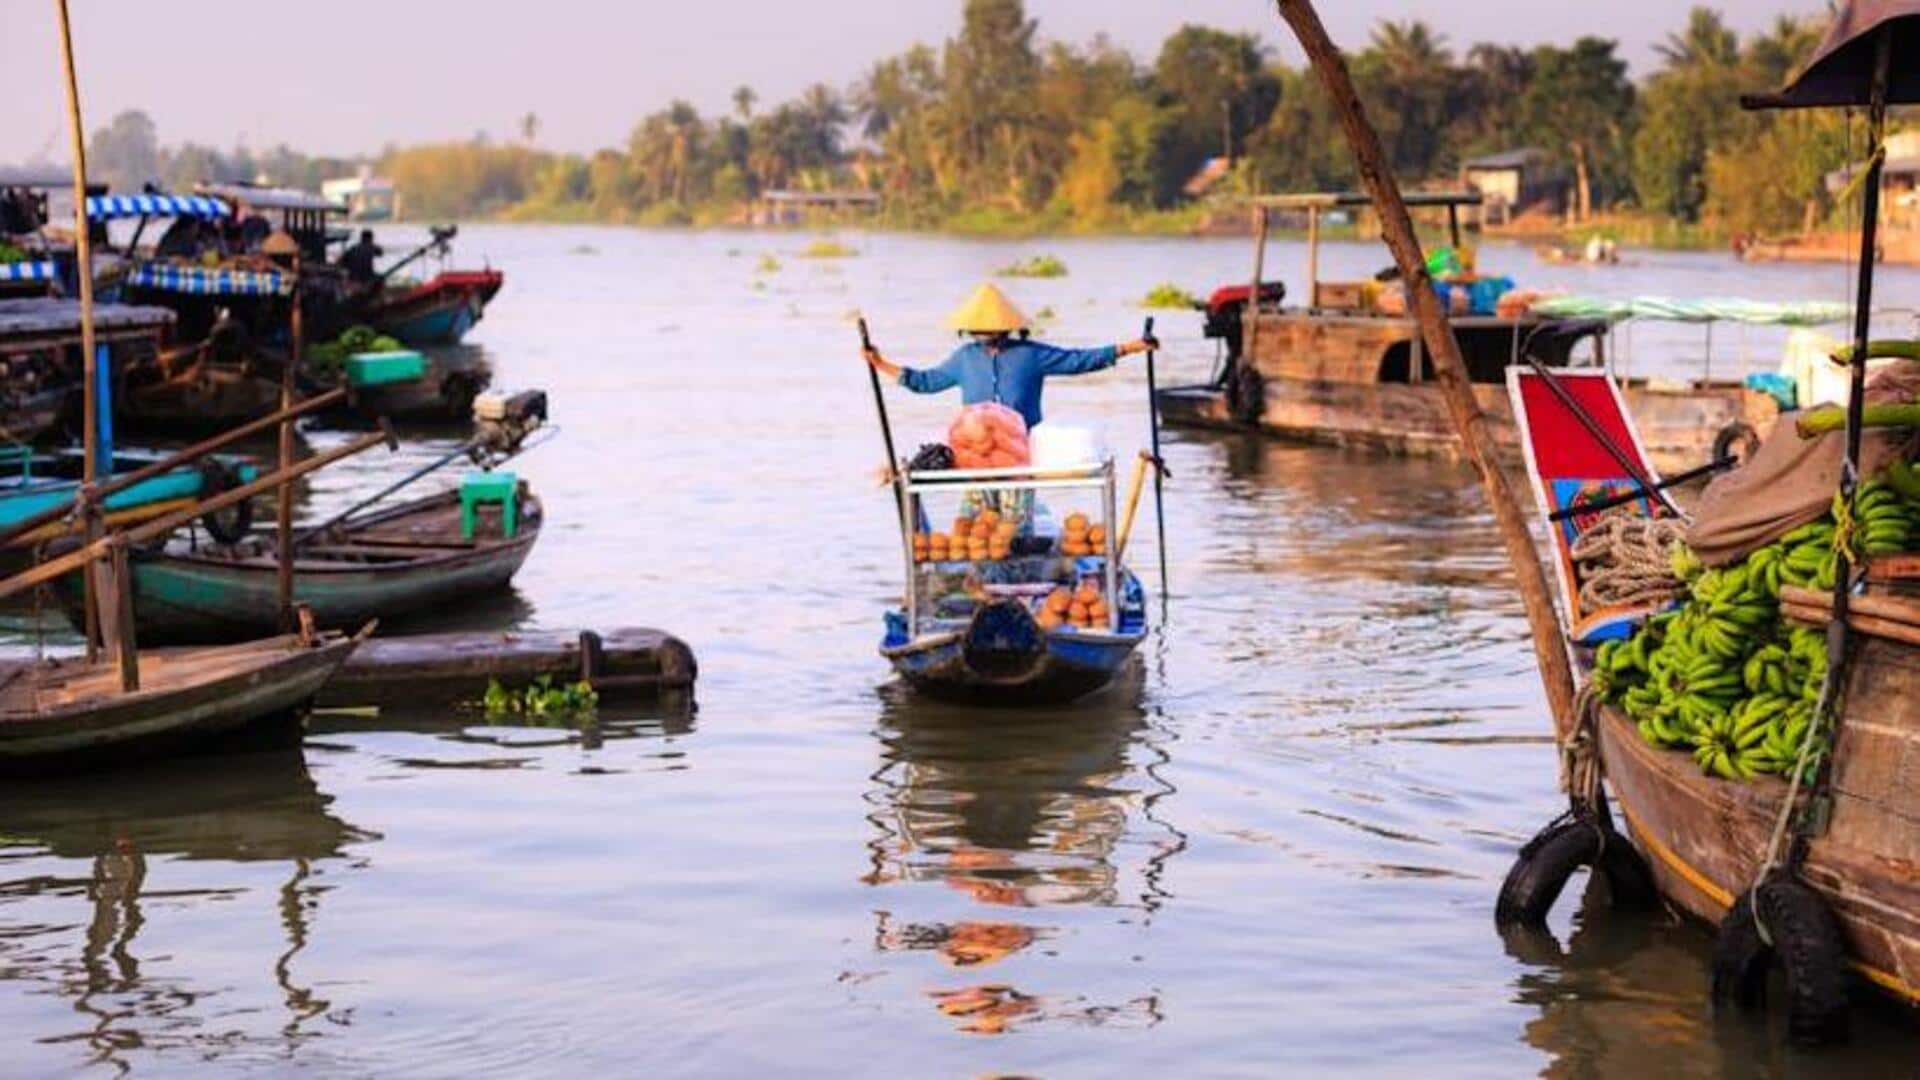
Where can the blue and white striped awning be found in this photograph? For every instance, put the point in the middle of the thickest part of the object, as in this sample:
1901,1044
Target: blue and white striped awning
202,281
109,207
26,271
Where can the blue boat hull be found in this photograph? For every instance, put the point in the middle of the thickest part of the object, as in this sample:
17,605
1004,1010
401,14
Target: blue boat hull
1003,657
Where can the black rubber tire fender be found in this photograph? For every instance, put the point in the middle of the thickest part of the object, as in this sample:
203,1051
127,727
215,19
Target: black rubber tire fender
1806,946
1544,866
1740,434
229,526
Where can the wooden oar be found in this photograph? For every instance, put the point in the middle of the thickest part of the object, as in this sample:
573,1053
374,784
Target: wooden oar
879,400
1134,488
1159,463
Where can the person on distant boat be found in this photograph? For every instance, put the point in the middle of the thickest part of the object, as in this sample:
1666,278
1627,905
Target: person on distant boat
183,239
1001,364
358,259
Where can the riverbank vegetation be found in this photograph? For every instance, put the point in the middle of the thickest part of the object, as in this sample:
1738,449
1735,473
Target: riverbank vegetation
999,130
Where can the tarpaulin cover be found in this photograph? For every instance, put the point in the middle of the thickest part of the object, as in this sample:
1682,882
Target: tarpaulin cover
1716,309
1791,481
204,281
110,207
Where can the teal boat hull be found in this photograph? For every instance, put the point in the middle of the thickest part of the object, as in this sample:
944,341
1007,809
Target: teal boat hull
186,597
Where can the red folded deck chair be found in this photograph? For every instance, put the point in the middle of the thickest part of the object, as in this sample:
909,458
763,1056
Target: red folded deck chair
1572,465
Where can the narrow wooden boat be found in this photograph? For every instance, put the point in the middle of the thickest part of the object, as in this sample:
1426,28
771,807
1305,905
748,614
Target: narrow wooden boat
437,311
1003,657
404,561
57,715
978,624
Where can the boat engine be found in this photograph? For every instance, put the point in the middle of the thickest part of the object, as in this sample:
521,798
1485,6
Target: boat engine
502,421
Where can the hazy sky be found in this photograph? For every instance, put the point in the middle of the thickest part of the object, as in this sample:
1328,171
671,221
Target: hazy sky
346,76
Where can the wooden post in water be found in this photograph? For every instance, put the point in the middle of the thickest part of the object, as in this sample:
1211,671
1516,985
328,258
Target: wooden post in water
83,254
1250,317
1549,647
284,517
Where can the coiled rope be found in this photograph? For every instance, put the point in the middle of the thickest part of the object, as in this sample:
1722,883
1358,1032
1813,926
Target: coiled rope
1627,560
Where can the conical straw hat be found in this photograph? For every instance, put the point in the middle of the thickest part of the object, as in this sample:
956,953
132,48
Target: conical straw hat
988,311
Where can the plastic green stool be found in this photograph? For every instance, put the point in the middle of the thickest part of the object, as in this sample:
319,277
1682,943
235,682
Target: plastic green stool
488,487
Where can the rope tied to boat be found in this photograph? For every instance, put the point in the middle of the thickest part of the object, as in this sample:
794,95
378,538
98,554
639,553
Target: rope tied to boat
1626,560
1580,772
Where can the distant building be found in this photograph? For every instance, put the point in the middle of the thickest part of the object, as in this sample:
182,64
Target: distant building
367,197
1899,181
784,207
1516,182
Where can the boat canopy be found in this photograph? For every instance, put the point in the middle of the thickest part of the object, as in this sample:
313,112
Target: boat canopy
1842,69
45,315
205,281
1716,309
30,270
271,198
113,207
1331,200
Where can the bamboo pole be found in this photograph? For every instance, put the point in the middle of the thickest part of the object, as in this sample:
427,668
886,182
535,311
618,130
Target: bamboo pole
40,573
1250,317
1549,646
283,520
122,481
89,363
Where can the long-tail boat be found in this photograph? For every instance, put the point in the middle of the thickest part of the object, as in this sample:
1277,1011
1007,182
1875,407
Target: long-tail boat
1343,368
430,554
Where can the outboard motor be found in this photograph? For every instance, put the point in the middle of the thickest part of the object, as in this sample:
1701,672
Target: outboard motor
502,421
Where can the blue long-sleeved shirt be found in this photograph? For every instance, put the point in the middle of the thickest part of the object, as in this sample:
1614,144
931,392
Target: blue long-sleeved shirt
1013,377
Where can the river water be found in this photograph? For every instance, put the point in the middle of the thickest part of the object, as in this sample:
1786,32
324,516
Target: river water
1274,849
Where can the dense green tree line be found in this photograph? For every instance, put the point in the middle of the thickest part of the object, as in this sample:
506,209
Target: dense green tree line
998,126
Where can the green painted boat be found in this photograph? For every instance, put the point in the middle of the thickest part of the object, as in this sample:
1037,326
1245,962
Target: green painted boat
409,559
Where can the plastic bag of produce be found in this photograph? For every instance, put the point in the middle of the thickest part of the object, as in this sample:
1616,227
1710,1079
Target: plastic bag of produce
989,436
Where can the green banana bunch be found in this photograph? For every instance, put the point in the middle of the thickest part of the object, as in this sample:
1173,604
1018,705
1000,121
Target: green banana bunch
1882,524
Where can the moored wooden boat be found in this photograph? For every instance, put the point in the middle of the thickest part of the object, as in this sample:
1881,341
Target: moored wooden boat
1342,369
58,715
407,560
1705,838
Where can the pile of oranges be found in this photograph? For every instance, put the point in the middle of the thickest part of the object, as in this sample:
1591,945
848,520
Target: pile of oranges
987,535
1084,607
1079,538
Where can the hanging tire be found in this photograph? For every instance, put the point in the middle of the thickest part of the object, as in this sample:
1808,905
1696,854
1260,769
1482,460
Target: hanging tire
229,526
1548,861
1737,440
1806,946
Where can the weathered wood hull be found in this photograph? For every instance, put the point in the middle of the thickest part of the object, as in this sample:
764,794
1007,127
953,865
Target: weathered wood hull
385,568
55,717
1706,838
1678,428
1364,381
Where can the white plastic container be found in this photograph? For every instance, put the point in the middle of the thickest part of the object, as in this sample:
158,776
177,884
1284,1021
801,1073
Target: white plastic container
1057,446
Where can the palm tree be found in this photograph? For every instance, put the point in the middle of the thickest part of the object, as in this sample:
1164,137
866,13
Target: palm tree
1707,41
743,102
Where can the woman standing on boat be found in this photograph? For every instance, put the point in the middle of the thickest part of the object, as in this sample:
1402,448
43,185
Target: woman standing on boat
1001,364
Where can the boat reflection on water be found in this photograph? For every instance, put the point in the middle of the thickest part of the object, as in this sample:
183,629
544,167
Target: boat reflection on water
1010,814
260,807
1629,996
